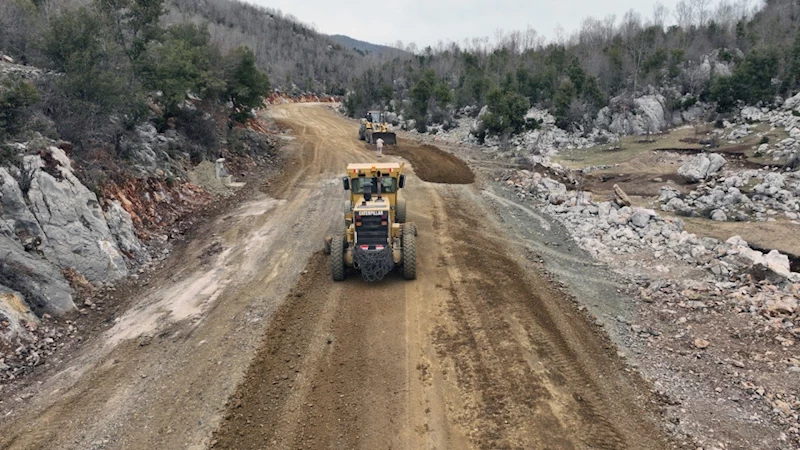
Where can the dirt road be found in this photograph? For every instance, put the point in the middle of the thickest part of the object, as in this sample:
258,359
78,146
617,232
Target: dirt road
479,352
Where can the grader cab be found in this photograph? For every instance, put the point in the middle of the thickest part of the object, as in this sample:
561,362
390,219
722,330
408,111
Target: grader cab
376,238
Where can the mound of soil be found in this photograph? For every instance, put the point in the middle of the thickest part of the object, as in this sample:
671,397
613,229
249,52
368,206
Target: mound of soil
432,164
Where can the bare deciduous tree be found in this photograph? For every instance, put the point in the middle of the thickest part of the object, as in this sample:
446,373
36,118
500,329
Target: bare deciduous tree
684,14
660,14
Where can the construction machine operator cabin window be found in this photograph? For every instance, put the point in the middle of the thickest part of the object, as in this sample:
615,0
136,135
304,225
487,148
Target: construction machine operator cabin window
376,117
388,186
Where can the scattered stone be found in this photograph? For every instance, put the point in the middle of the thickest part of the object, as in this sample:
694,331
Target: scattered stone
621,198
701,343
718,215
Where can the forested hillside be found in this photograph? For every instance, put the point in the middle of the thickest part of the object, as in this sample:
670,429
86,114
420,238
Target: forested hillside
292,54
111,65
728,53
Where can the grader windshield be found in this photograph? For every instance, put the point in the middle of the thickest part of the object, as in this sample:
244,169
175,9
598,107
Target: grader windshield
362,185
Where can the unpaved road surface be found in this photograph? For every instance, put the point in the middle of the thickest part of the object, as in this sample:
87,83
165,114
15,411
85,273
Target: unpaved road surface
246,343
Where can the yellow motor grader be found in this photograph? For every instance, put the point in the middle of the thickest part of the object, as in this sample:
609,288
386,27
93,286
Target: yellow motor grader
376,239
374,126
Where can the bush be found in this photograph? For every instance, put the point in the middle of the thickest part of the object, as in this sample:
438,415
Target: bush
182,62
17,95
751,81
9,156
764,140
245,85
506,112
198,128
688,102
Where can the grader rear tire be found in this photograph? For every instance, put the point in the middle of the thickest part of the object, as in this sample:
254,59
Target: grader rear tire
400,212
337,258
409,254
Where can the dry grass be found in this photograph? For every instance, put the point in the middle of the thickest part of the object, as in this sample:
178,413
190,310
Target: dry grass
777,235
631,148
639,164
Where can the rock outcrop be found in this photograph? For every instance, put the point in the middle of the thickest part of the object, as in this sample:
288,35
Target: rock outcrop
50,223
642,115
15,312
69,214
40,282
121,226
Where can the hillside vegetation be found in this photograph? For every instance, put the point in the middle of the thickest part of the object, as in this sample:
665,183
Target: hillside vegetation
111,65
295,56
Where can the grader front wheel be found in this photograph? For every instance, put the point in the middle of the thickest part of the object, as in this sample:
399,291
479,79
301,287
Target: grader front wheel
400,212
337,258
409,253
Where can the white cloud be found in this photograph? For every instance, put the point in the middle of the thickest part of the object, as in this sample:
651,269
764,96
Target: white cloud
428,22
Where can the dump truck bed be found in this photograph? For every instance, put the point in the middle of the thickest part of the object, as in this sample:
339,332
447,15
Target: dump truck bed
369,166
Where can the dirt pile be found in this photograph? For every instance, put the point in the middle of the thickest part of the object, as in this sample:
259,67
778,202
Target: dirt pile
279,98
431,163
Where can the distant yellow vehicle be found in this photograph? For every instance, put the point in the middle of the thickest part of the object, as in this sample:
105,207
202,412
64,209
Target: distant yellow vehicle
374,126
376,239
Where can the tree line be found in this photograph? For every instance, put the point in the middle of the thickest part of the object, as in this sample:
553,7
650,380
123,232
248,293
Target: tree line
574,76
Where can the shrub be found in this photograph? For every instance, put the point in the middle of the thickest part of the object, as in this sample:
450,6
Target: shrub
198,128
245,85
506,113
764,140
182,62
17,95
9,156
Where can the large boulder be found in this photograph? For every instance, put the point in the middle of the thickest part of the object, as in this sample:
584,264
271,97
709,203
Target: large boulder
642,217
774,179
792,102
716,162
695,169
700,167
70,216
644,115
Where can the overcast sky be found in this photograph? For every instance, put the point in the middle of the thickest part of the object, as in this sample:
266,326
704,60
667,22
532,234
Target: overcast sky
427,22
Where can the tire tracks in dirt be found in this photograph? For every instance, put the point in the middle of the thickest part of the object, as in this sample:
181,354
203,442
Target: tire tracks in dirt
479,352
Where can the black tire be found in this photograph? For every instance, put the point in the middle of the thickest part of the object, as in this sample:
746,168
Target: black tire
409,253
369,138
337,258
400,212
360,134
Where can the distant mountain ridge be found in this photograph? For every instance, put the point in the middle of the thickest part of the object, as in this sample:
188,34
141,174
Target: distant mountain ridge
365,47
